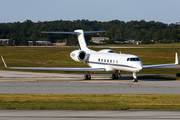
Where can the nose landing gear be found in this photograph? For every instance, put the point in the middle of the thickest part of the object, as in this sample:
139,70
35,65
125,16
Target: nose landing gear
135,79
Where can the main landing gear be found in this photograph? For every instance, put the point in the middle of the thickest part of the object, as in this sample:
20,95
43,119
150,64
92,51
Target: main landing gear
87,76
115,76
135,79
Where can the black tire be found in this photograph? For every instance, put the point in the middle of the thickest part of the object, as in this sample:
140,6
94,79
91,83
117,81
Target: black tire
85,77
135,80
89,77
117,77
113,76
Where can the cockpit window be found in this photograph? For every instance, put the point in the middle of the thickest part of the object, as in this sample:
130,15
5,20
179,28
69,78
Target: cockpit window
137,59
133,59
111,51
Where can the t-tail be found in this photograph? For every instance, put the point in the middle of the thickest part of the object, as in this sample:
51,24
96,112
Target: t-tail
81,40
80,34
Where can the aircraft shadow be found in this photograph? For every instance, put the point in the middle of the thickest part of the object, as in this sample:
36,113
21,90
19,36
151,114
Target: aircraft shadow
152,77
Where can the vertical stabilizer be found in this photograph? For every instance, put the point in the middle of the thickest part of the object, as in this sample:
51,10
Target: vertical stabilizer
81,40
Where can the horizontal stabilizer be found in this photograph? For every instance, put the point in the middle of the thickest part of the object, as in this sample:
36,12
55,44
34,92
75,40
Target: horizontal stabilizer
94,31
71,32
60,32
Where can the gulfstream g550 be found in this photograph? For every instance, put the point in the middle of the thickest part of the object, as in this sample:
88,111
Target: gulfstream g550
103,60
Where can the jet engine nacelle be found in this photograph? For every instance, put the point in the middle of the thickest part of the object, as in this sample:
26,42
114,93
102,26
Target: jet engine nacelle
78,55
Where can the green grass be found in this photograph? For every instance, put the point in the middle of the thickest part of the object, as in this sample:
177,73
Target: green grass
59,57
90,102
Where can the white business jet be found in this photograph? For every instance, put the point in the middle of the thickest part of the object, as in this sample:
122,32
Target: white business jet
103,60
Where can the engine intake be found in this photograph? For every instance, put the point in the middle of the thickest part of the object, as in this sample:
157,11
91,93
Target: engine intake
78,55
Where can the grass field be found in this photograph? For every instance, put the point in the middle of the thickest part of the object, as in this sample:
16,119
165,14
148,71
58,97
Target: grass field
59,57
90,102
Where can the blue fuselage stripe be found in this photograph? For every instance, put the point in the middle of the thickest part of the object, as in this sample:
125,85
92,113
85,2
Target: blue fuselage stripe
111,64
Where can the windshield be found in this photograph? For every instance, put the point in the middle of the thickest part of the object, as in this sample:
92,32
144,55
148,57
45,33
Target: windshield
133,59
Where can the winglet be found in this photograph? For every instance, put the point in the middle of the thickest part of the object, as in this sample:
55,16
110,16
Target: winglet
176,59
4,62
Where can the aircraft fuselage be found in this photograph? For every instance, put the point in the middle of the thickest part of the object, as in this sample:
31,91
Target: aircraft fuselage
114,61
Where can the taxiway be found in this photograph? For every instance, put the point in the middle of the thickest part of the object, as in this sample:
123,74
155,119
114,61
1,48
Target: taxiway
13,82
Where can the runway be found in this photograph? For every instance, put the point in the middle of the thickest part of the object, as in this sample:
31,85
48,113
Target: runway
87,114
13,82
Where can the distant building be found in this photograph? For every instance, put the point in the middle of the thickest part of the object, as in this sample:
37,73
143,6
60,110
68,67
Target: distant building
132,42
98,40
59,44
42,43
4,40
48,43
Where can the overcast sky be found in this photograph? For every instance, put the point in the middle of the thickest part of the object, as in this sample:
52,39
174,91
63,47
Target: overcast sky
166,11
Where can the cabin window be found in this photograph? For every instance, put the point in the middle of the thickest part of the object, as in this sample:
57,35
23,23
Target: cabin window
116,61
101,60
113,61
110,61
107,60
104,60
111,51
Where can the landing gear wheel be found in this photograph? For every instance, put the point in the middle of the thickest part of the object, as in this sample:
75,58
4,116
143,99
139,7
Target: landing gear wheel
115,76
87,77
135,80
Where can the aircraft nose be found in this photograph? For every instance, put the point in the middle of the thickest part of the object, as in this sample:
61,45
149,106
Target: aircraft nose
139,66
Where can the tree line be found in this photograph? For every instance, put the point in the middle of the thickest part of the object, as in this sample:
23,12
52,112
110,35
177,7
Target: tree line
147,32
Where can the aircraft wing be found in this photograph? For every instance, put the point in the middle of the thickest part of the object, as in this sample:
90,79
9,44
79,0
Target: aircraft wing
55,69
163,65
